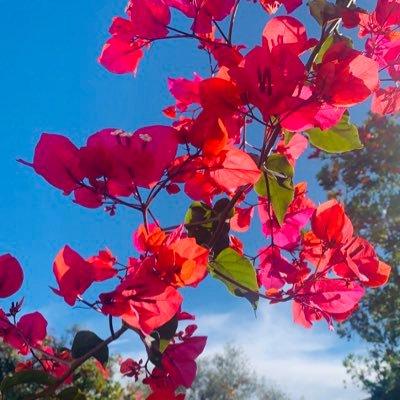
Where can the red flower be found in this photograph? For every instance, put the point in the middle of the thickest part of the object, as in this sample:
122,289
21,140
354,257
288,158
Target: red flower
30,330
182,263
74,275
11,275
149,18
142,299
271,6
267,77
345,77
330,224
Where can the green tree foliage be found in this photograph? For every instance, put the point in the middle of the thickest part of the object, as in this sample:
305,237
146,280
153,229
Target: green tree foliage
95,383
226,376
368,182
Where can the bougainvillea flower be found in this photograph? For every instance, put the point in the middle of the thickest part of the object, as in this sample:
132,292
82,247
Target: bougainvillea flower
236,244
272,6
142,299
377,46
122,57
99,159
187,7
183,263
225,56
212,130
179,365
314,251
205,177
331,224
201,187
5,324
142,156
74,275
122,53
219,95
149,240
30,330
233,168
56,159
357,260
387,12
122,29
267,77
179,360
345,77
170,112
386,101
392,59
299,212
156,148
203,12
287,32
273,268
326,298
193,173
149,18
103,265
293,149
208,133
241,220
131,368
88,198
219,123
96,161
306,110
11,275
185,91
56,368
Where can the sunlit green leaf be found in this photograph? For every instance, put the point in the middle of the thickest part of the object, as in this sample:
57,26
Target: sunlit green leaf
339,139
277,184
237,273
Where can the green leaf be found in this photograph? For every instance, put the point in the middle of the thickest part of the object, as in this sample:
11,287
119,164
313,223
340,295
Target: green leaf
167,332
260,187
198,212
288,135
329,41
152,343
71,393
230,267
86,341
222,240
277,184
159,339
324,11
26,377
339,139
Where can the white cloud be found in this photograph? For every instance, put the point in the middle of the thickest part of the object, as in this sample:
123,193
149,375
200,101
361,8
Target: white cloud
302,362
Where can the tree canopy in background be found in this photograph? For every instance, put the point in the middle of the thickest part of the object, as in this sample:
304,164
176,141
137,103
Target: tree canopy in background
368,181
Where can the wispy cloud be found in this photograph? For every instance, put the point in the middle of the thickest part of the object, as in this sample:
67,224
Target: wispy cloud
302,362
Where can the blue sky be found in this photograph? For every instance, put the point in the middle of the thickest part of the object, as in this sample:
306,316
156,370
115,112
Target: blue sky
51,82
